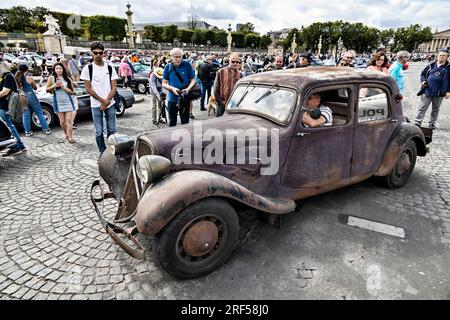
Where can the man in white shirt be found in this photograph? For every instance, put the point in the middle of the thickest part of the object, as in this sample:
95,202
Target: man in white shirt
100,82
311,115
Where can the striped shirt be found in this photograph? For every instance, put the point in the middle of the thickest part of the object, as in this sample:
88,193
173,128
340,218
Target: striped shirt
327,114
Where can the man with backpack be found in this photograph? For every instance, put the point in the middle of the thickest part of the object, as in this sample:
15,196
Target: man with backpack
178,79
100,82
8,84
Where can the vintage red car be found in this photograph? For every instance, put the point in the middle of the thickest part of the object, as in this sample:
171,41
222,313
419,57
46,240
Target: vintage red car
186,194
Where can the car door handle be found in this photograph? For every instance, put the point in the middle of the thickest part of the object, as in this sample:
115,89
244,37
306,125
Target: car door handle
301,134
393,120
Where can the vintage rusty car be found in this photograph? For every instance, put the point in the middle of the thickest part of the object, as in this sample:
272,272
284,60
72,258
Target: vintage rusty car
189,207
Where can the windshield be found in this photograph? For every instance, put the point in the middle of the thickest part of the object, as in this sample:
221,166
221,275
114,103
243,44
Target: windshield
272,101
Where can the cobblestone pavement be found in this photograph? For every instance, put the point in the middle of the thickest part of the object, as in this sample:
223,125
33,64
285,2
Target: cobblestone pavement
52,245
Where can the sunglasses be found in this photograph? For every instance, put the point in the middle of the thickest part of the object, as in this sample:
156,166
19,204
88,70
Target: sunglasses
96,53
235,62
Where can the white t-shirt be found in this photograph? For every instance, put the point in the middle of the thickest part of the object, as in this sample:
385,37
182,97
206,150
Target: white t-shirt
100,82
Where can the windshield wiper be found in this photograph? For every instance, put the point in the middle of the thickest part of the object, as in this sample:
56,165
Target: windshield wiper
267,93
245,93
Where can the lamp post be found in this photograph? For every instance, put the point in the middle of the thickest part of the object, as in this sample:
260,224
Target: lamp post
319,47
208,44
253,45
130,32
229,38
293,45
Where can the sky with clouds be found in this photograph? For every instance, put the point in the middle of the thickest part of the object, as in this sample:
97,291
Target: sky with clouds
266,15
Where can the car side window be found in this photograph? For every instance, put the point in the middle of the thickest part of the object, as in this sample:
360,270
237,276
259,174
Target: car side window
373,104
335,100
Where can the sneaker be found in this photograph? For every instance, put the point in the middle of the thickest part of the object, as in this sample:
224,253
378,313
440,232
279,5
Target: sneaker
191,116
14,151
432,126
74,126
202,109
28,134
48,131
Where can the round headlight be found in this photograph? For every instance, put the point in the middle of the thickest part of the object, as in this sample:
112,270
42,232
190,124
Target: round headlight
150,168
120,143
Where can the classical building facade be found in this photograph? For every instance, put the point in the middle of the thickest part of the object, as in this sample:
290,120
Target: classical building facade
440,40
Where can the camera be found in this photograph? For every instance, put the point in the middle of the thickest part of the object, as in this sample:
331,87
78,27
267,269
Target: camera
315,113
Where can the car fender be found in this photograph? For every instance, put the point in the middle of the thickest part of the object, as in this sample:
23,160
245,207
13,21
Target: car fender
164,200
402,134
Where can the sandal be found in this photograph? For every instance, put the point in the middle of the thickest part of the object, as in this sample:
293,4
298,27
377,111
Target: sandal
71,140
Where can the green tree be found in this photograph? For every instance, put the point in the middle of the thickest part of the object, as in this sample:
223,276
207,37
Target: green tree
410,37
185,36
170,33
386,37
247,28
198,37
220,39
265,41
251,38
154,33
38,19
238,39
288,40
211,36
18,19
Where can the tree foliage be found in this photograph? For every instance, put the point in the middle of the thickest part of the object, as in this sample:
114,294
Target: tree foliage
170,33
154,33
247,28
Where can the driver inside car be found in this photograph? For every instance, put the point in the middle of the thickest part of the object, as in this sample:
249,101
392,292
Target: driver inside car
315,114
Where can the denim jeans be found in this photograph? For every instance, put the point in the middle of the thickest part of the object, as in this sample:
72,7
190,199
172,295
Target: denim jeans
110,116
206,88
5,117
33,105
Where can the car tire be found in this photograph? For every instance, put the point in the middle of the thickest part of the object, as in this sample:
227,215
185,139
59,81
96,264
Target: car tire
398,177
141,87
184,256
48,114
122,106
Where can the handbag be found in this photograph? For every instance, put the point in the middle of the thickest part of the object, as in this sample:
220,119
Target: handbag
195,93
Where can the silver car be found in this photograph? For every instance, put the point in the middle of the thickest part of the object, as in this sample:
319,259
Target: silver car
84,104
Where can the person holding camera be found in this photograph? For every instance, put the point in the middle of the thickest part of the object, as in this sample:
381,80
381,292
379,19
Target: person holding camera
175,77
315,114
435,80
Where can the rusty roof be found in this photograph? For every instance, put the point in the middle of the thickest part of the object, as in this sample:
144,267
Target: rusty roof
300,77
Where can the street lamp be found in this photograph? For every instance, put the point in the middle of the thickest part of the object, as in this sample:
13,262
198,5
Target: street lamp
208,43
252,46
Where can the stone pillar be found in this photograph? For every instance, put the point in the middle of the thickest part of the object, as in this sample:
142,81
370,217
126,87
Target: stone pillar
229,38
130,34
54,43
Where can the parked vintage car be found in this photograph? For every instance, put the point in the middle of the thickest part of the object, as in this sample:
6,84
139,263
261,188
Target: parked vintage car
140,81
190,207
84,104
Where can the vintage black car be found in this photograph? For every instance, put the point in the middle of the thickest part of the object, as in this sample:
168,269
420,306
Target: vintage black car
176,193
140,80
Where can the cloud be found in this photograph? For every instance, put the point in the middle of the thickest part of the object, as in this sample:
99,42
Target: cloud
265,15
